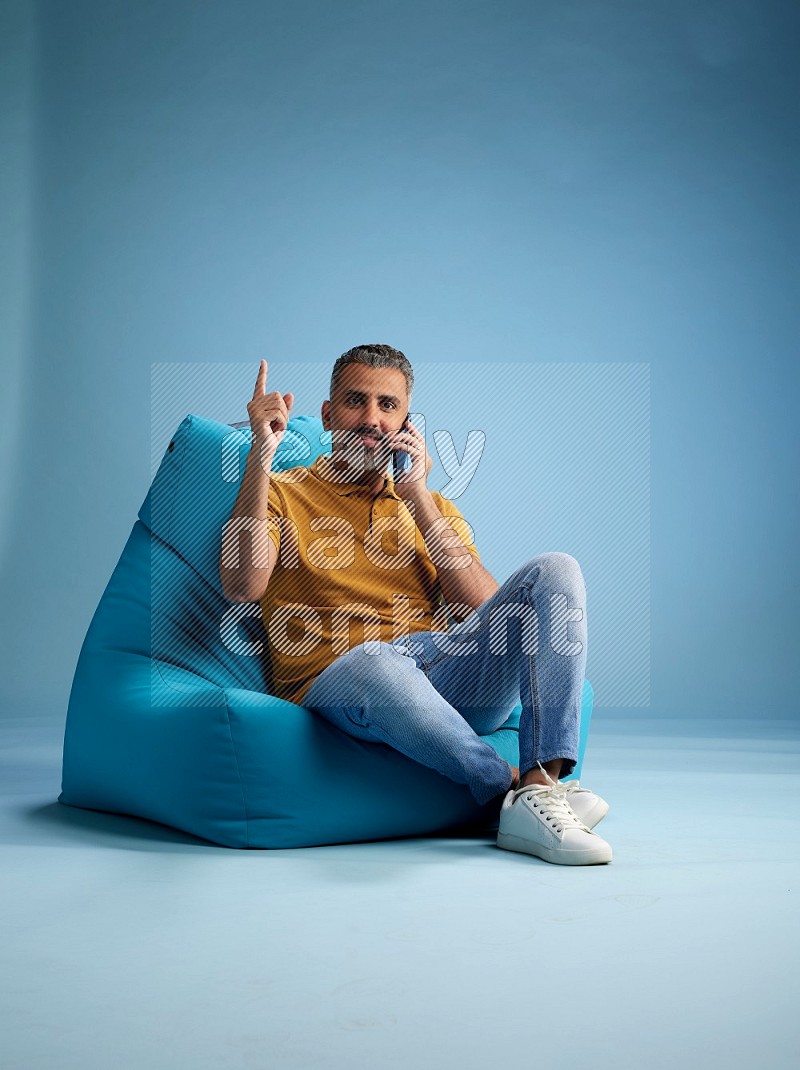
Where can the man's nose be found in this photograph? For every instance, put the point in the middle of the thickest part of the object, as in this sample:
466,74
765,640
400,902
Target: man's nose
372,418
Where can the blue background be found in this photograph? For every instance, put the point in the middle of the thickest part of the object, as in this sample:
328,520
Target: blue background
494,188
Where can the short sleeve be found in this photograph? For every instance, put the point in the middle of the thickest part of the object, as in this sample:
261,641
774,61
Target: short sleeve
464,531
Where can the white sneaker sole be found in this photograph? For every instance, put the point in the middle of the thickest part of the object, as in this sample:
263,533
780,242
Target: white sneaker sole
589,856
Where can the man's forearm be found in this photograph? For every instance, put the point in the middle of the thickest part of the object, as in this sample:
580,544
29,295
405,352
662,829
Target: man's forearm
253,497
462,578
238,576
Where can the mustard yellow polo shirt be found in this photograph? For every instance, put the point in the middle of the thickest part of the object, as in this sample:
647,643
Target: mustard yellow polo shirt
352,566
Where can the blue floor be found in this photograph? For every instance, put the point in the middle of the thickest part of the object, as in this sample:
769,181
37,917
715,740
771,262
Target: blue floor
130,945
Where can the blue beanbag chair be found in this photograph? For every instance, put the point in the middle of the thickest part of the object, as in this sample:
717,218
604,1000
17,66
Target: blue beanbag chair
169,717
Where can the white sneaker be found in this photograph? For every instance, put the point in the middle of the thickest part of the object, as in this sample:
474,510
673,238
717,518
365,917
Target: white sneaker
590,808
538,820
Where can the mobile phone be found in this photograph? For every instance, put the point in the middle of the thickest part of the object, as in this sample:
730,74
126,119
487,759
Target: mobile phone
401,461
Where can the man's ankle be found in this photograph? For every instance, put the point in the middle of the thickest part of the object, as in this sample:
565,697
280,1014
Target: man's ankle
535,777
543,775
529,781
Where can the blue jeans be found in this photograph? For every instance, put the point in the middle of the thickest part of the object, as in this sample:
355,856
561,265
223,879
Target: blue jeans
431,695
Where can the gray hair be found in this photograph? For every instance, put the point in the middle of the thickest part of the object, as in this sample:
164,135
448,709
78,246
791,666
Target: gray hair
374,356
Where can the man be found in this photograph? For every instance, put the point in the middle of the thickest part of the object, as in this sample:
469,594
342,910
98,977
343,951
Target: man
416,683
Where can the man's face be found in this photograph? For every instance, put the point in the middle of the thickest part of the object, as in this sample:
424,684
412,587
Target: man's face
369,404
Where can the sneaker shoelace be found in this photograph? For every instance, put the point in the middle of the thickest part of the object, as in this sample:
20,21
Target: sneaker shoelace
551,799
572,785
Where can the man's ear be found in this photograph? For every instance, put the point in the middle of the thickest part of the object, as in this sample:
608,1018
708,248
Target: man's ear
326,405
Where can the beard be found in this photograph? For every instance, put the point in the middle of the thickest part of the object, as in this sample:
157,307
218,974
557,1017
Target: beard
354,458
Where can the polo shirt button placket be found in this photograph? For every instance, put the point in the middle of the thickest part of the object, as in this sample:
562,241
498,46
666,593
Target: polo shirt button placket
375,498
372,512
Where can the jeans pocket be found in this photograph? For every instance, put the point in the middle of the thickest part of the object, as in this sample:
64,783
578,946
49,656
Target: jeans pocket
401,645
467,633
421,647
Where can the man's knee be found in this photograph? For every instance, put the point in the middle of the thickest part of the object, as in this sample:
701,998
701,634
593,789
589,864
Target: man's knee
557,569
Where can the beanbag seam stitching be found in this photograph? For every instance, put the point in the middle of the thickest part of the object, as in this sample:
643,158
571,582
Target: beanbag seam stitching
238,770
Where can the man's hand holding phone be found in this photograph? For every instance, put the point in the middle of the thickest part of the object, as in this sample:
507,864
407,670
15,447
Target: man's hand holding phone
412,480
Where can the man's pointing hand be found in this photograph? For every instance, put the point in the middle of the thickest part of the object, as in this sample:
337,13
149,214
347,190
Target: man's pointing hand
269,414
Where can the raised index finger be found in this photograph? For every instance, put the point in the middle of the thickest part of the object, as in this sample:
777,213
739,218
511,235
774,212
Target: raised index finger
261,381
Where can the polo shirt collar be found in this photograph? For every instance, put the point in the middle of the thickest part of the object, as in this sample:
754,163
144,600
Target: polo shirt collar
331,478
